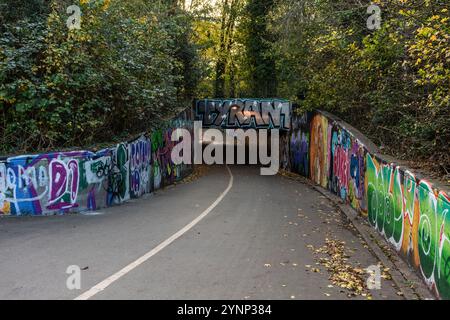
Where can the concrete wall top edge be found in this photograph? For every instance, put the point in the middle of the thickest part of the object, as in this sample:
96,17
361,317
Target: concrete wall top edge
369,145
383,158
78,152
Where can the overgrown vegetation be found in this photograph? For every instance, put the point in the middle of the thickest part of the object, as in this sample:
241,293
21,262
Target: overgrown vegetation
129,66
134,62
392,83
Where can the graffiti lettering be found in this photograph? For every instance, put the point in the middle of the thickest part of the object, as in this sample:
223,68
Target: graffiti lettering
260,114
408,212
57,183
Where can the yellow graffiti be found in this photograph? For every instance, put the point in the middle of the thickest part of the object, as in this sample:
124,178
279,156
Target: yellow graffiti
319,163
5,208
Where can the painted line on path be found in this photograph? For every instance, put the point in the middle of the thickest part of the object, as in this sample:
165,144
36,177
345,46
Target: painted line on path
116,276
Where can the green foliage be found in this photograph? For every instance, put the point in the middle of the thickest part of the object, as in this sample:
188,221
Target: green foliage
134,62
130,66
392,83
259,60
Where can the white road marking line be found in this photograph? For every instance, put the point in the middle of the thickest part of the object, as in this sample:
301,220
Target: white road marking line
108,281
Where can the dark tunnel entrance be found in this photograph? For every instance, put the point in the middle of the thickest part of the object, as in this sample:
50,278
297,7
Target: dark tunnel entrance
251,130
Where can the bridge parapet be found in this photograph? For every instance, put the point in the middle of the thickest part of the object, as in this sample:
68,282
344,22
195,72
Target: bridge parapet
411,212
77,181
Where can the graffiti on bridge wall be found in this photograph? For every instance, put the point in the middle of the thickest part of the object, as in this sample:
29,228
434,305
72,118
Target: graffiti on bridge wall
248,113
299,144
409,212
58,183
96,180
318,166
340,145
119,177
356,186
165,172
140,167
414,218
346,167
163,166
37,184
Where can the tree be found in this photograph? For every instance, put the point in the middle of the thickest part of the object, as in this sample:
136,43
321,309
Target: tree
230,11
131,65
391,83
258,47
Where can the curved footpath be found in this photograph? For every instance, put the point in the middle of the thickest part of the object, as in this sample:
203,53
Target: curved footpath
257,242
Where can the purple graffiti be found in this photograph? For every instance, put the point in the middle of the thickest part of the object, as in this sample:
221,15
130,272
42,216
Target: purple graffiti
64,181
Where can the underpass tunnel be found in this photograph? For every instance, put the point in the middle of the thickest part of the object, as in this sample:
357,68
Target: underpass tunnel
245,130
243,147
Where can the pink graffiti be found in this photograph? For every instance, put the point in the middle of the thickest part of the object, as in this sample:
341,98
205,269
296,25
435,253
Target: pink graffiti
64,179
341,166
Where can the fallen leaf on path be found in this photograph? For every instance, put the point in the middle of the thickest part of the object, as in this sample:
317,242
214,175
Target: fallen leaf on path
342,273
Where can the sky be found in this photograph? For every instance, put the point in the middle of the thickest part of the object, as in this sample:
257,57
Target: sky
210,2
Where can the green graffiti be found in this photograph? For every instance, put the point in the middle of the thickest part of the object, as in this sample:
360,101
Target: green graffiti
384,195
443,277
157,140
122,160
409,194
427,230
434,238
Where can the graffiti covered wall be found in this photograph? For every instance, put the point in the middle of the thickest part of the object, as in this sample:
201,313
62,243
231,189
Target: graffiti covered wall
411,213
62,182
299,144
244,113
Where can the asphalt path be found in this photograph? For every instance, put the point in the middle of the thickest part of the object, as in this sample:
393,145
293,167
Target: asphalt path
231,234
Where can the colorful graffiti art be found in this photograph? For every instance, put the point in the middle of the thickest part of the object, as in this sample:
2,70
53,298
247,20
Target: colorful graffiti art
410,213
163,166
58,183
140,167
38,184
340,146
299,144
434,238
384,195
246,113
165,172
414,218
356,185
96,180
319,161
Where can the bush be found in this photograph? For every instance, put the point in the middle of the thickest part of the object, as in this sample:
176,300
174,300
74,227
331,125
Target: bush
123,72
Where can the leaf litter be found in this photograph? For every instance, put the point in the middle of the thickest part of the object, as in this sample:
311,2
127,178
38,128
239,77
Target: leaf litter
333,257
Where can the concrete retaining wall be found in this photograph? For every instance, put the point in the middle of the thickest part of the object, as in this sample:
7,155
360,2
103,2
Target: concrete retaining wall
63,182
409,211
